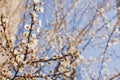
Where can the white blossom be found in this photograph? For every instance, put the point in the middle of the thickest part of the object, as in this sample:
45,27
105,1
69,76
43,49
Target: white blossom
33,35
27,44
34,16
108,59
36,8
16,52
40,23
33,43
118,8
0,22
41,9
114,41
109,44
27,26
5,20
101,10
20,57
24,41
21,70
36,1
41,64
38,29
46,57
25,34
118,30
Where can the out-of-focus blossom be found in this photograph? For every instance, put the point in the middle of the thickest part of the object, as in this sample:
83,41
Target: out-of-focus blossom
114,41
34,15
40,23
24,41
20,57
41,9
108,59
16,52
25,34
36,1
101,10
38,29
36,8
33,35
5,20
118,30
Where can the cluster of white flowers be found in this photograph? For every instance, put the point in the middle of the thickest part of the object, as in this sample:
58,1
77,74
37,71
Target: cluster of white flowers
38,8
16,52
6,72
41,9
27,27
29,39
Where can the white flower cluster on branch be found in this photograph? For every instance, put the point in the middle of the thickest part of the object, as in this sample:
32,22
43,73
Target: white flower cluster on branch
60,40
